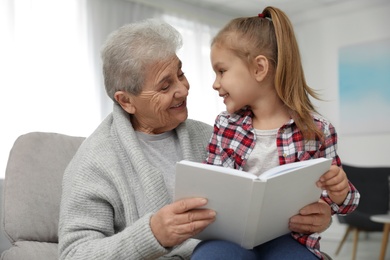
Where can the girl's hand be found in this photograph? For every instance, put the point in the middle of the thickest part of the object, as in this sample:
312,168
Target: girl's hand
336,183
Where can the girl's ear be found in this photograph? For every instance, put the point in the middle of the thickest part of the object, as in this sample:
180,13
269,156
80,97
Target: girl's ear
261,67
125,101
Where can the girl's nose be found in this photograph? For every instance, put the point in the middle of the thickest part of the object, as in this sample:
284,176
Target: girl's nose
216,85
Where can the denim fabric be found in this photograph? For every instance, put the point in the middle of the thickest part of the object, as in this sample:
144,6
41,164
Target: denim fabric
281,248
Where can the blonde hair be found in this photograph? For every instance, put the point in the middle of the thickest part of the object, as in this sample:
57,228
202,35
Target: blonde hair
271,34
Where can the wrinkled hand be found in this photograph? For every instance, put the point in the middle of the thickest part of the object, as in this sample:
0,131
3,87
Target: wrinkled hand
176,222
336,183
312,218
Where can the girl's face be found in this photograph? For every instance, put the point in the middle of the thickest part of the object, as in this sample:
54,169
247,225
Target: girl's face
235,80
161,106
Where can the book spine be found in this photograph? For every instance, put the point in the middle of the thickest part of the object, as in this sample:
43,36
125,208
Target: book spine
258,189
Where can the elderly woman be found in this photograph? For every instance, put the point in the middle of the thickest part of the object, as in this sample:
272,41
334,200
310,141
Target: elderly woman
118,189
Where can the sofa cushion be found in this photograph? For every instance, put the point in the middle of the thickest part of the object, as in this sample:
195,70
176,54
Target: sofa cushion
32,251
32,185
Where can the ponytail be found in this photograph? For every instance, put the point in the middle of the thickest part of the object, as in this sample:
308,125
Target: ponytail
290,83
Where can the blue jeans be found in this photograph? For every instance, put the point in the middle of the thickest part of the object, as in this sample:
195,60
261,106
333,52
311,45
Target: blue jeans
281,248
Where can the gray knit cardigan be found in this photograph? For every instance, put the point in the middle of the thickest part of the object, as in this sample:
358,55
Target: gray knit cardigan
110,191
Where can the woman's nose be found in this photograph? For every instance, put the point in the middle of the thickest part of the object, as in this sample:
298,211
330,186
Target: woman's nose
182,90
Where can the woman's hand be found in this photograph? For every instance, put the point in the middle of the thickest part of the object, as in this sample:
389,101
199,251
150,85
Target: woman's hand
312,218
176,222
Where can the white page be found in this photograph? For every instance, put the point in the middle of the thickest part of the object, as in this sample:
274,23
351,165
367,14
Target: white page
286,168
228,193
284,198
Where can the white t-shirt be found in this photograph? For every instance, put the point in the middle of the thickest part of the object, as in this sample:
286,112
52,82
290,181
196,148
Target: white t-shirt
265,154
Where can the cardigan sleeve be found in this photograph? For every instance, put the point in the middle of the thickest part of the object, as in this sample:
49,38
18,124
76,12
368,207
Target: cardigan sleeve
89,211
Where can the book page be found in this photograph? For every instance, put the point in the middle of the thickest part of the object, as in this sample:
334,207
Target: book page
228,194
220,169
285,195
286,168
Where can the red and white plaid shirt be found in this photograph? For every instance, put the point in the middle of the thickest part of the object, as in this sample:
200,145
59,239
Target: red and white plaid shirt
234,139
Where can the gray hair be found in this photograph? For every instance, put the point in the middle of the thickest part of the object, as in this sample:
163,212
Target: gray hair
129,50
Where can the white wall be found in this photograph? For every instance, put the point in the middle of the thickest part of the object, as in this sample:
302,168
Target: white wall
320,35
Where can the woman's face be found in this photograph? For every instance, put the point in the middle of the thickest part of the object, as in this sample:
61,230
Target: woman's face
161,106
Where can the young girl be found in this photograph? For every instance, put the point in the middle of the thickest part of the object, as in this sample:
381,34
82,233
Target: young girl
270,119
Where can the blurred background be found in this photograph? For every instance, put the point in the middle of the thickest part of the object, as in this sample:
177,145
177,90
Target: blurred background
50,68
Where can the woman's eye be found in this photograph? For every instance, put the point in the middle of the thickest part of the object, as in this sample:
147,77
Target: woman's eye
165,88
181,75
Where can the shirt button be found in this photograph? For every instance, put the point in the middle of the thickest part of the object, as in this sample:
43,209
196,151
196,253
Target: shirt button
284,155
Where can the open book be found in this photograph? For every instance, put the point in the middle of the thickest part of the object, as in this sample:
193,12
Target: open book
250,209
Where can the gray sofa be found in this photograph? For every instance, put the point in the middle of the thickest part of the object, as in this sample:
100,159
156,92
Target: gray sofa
32,192
4,242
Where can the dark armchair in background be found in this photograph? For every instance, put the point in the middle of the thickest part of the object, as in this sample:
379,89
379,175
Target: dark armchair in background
373,185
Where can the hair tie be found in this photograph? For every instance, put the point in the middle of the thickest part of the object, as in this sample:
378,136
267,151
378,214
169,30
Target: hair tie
263,16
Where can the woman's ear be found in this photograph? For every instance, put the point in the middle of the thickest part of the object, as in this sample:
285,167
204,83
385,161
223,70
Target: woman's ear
261,67
125,101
